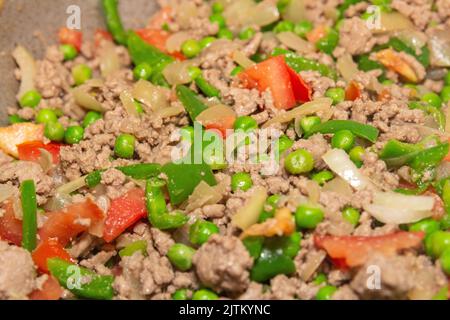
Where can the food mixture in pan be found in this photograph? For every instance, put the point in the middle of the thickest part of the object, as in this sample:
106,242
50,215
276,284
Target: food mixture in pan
233,149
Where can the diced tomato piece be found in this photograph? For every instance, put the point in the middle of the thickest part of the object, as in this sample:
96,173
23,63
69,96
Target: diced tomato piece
355,250
124,212
177,55
272,74
49,248
316,34
101,35
155,37
10,227
70,36
225,124
302,92
30,151
161,18
69,222
352,92
51,290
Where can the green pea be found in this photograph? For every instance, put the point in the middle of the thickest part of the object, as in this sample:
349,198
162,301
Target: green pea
325,293
204,294
124,146
81,73
321,278
142,71
328,43
284,143
54,131
445,94
284,26
200,231
273,200
14,118
74,134
180,294
343,139
236,71
241,181
247,33
356,155
322,177
444,260
447,79
303,27
180,256
30,99
217,7
69,51
307,123
219,19
436,243
428,226
245,123
225,34
46,115
432,99
299,161
352,215
335,94
206,42
308,216
191,48
90,118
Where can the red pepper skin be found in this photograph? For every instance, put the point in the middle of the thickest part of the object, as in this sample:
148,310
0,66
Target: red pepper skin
352,92
49,248
302,92
69,36
30,151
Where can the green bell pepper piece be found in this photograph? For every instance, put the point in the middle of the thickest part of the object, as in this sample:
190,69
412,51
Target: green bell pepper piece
254,246
29,210
345,5
366,64
113,21
361,130
81,281
288,245
208,89
182,179
129,250
94,178
271,263
158,215
190,101
429,158
142,171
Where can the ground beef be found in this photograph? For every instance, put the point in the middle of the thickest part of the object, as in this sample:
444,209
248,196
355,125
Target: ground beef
419,11
317,145
355,38
223,263
17,272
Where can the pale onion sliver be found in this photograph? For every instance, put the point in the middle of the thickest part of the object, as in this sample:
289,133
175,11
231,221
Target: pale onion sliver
347,67
241,59
339,162
249,213
27,66
387,214
293,41
403,201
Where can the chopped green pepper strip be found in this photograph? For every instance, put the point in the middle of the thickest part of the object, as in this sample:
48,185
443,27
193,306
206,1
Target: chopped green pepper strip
132,248
426,161
271,263
301,64
81,281
142,171
208,89
190,101
254,246
361,130
113,21
158,215
94,178
182,179
29,209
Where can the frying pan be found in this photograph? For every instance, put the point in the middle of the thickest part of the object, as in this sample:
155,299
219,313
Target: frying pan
34,24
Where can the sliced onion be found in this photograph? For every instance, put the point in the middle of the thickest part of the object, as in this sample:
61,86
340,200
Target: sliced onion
128,103
58,202
388,214
72,186
339,162
176,40
413,38
248,215
178,72
312,263
150,95
393,21
84,98
6,191
242,60
203,194
439,44
347,67
185,11
338,185
293,41
403,201
247,13
170,111
216,114
45,160
295,11
109,59
27,66
312,107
